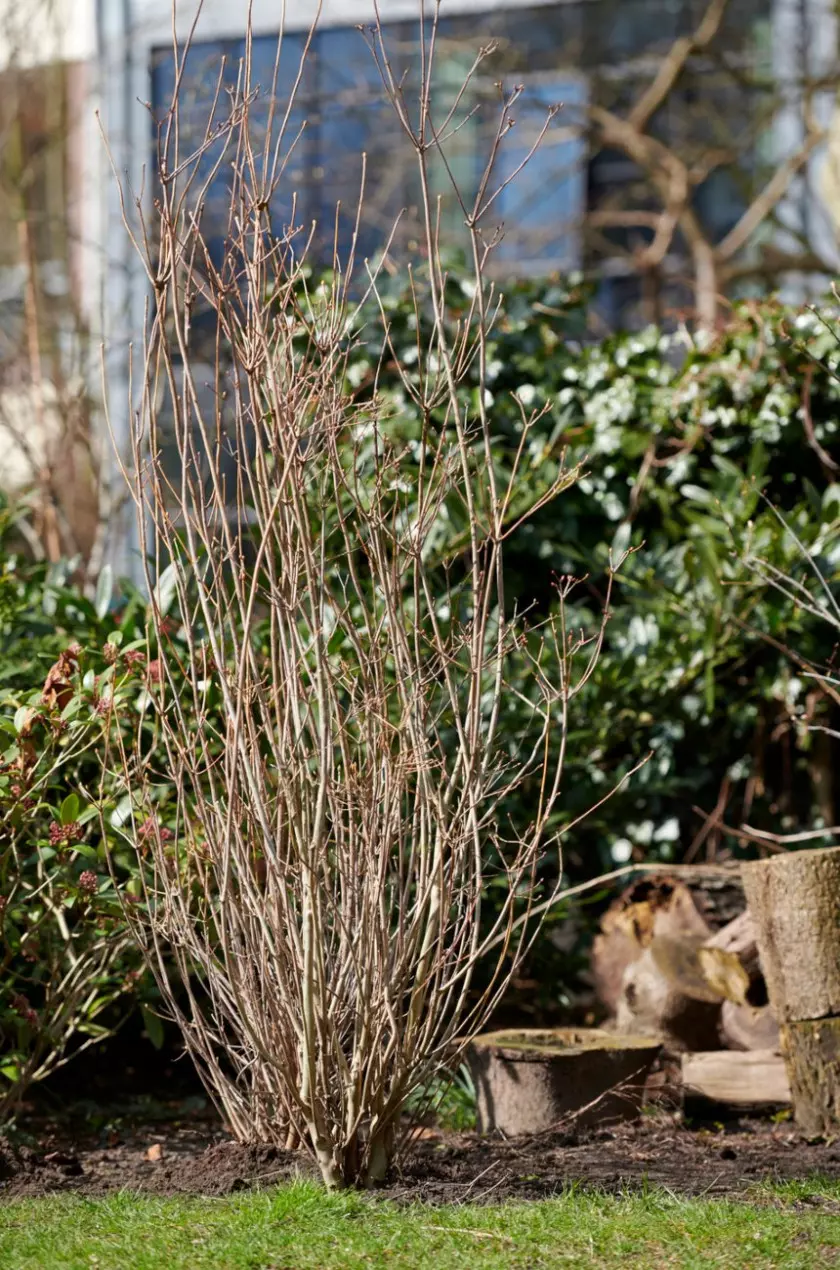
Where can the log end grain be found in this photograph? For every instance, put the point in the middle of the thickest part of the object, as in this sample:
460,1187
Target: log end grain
747,1027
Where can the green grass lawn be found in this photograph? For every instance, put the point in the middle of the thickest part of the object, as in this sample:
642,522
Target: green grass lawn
301,1226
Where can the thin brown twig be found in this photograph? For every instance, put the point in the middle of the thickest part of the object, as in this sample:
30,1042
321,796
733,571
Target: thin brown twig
338,805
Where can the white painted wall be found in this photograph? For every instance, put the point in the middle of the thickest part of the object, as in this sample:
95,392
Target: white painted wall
34,32
219,18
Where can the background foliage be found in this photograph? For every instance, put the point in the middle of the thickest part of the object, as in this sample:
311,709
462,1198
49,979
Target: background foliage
72,671
687,448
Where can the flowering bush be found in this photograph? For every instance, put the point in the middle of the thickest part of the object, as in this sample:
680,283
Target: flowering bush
73,676
687,445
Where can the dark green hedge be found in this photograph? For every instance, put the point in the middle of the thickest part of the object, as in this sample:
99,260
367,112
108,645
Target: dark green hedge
688,446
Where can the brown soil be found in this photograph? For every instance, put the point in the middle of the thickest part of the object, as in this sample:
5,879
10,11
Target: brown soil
195,1157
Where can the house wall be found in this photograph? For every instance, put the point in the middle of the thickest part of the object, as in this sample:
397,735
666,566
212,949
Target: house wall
47,279
112,40
219,18
35,32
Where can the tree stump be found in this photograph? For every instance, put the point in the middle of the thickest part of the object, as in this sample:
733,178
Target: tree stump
530,1080
795,901
811,1050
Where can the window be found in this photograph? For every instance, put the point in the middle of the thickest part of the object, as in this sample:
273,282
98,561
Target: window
341,111
566,54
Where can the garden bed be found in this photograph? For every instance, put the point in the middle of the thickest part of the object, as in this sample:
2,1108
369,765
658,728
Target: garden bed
190,1154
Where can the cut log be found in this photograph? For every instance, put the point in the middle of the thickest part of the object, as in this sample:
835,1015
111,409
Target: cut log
812,1056
718,893
531,1080
739,937
795,901
753,1079
698,971
664,967
613,950
748,1027
723,974
675,990
654,1001
656,906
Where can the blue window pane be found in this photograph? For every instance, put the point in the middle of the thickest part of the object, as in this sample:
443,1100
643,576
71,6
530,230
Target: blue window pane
542,205
342,111
211,73
352,117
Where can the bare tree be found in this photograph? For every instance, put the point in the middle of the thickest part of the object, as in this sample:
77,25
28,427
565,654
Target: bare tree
340,804
703,109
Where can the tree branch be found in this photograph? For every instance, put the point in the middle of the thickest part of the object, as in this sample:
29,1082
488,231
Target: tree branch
772,263
773,191
674,64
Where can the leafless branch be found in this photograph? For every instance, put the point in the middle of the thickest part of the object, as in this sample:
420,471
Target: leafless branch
339,807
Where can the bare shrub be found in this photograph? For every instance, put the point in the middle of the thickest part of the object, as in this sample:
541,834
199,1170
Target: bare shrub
340,584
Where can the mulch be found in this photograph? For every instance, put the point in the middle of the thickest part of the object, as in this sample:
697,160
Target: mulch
193,1156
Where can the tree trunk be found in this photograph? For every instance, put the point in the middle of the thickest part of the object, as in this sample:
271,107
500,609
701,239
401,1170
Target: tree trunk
706,288
795,901
812,1056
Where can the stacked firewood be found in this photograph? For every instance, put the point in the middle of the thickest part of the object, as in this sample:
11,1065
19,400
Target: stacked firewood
677,958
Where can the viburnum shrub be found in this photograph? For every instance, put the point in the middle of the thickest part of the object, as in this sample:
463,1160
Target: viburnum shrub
71,674
682,437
